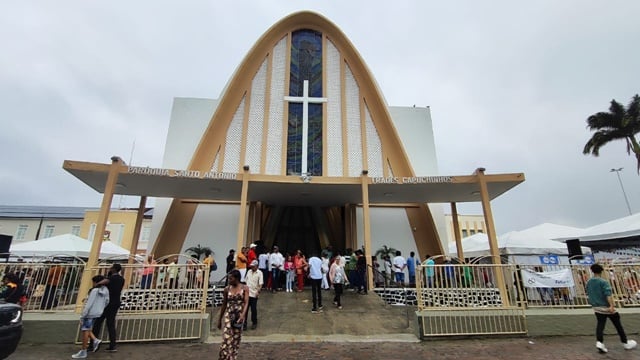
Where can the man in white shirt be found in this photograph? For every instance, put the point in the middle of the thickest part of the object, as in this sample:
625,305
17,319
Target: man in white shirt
276,263
398,267
315,274
254,282
263,265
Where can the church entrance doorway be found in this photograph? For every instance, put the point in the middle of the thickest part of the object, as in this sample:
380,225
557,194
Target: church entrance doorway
305,228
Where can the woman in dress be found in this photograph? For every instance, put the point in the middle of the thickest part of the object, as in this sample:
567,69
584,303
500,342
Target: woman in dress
301,265
234,308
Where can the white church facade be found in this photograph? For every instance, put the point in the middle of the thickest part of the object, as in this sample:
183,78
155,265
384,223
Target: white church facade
301,151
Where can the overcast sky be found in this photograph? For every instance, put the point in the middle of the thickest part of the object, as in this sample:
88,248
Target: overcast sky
509,84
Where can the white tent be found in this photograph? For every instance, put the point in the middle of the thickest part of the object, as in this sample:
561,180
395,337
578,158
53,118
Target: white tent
473,246
625,227
538,240
532,241
67,244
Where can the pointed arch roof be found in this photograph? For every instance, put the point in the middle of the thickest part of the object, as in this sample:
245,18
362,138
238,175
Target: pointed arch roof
241,80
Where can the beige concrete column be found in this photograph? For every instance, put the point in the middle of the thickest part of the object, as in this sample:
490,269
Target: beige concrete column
367,228
491,234
96,244
242,220
133,249
456,231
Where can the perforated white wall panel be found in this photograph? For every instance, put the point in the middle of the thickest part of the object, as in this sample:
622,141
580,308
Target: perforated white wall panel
374,146
234,141
354,135
275,138
214,167
256,119
334,115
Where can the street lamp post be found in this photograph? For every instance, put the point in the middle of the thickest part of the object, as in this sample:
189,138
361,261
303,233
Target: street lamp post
617,171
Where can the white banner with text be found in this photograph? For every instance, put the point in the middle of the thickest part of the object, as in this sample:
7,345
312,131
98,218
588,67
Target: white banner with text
547,279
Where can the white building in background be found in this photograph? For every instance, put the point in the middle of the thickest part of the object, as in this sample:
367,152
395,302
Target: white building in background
28,223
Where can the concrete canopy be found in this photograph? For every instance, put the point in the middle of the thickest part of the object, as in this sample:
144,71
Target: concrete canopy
290,190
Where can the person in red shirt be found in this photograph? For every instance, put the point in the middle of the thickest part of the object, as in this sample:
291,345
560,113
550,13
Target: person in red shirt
252,254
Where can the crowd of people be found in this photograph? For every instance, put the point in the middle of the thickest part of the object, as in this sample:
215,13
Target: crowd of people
255,269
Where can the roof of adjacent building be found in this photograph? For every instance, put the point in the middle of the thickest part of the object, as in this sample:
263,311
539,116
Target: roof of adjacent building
51,212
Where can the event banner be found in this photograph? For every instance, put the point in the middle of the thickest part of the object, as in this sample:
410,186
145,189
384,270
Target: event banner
547,279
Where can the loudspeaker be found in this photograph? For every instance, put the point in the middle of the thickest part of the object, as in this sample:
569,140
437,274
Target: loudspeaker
575,251
5,244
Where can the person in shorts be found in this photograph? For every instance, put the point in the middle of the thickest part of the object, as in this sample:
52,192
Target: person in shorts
93,308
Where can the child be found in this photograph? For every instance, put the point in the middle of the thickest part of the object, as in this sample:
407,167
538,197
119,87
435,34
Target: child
291,272
93,308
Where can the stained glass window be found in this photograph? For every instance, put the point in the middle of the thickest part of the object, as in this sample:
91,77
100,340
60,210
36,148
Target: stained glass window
306,65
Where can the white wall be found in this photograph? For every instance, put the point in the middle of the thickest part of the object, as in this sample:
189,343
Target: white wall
389,226
189,119
415,129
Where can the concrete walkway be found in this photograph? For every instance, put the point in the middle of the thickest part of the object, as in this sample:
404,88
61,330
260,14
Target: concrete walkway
286,317
560,348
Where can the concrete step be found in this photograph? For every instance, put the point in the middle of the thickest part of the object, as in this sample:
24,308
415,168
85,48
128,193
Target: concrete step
288,316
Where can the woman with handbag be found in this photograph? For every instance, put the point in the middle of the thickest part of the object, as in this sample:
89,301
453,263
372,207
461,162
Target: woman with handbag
232,314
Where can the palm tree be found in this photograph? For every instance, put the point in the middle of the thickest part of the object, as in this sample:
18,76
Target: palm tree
385,250
617,123
199,250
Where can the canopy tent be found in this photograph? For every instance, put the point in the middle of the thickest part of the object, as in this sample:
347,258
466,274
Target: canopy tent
626,227
532,241
67,244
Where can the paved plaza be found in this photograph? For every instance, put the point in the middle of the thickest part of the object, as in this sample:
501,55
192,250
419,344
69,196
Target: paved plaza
574,347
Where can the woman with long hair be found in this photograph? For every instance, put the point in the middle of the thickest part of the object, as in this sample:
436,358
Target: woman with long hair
300,262
232,314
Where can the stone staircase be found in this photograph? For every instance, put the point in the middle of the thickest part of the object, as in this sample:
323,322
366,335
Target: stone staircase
286,316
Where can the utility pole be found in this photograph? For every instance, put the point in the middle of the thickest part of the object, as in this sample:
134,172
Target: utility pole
617,171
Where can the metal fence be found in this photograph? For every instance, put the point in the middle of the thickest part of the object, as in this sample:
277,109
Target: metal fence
166,300
163,301
464,299
50,285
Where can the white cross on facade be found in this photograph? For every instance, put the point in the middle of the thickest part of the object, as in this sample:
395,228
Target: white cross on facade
305,100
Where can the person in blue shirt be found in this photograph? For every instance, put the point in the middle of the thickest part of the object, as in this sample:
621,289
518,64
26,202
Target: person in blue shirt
411,268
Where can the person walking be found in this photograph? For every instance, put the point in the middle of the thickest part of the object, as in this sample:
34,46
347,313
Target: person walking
235,300
601,299
337,278
115,283
315,274
254,283
93,308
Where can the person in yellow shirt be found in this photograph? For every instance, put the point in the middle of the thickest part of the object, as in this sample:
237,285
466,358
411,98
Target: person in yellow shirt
208,260
241,263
